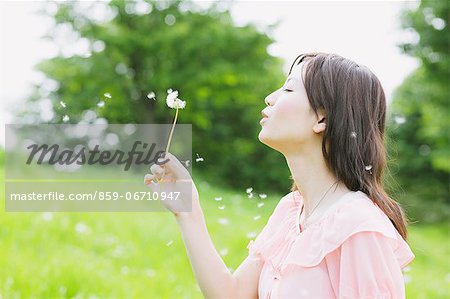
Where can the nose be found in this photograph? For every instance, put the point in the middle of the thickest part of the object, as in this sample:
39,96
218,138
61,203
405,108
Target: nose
269,99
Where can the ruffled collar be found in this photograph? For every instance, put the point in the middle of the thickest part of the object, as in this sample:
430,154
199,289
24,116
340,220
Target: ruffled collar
352,213
298,201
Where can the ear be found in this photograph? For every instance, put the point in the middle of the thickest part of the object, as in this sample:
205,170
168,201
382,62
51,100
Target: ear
320,125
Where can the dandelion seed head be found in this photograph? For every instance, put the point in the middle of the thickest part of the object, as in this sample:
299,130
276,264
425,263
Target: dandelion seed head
218,198
248,190
65,118
221,207
101,104
260,204
179,104
173,101
107,95
262,195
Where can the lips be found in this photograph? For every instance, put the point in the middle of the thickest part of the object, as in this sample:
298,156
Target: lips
264,119
264,114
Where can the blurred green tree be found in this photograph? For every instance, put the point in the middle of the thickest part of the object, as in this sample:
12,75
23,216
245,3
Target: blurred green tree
420,122
222,70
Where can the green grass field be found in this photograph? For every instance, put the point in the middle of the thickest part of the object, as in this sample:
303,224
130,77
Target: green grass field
141,255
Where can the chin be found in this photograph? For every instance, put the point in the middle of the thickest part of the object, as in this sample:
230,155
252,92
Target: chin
264,139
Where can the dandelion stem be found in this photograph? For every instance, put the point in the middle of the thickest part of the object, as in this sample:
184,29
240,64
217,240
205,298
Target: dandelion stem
170,138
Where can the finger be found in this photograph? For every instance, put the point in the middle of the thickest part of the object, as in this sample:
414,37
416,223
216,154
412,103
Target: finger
156,169
148,179
175,165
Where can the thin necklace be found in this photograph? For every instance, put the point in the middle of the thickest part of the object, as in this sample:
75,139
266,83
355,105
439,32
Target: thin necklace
306,218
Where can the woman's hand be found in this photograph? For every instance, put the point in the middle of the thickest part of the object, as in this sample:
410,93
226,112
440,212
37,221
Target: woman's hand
175,178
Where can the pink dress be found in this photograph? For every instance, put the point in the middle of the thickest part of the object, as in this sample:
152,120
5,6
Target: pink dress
352,251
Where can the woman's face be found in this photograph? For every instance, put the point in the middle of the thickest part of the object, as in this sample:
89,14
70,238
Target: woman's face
290,121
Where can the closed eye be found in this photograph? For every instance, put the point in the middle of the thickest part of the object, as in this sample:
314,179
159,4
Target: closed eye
288,90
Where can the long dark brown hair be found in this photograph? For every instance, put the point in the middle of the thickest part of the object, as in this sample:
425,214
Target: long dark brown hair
353,141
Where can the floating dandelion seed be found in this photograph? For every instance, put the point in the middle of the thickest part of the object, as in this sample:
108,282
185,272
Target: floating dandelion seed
169,243
251,235
223,221
198,159
260,204
101,104
262,195
353,135
369,168
81,228
65,118
47,216
250,195
221,207
223,252
107,95
150,272
256,217
218,198
62,104
248,190
124,270
187,163
151,96
400,119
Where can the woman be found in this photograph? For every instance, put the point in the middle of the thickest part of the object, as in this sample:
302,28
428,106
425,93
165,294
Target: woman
337,234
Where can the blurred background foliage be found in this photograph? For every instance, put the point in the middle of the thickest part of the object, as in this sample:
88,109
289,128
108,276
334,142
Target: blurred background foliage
419,122
224,72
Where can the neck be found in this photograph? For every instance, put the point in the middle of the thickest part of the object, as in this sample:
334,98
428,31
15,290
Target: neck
313,179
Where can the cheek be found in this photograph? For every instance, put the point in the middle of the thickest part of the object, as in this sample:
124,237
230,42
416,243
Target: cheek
289,108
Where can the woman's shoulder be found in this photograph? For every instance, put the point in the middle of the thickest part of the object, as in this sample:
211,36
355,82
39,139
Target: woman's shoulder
274,234
357,213
285,205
